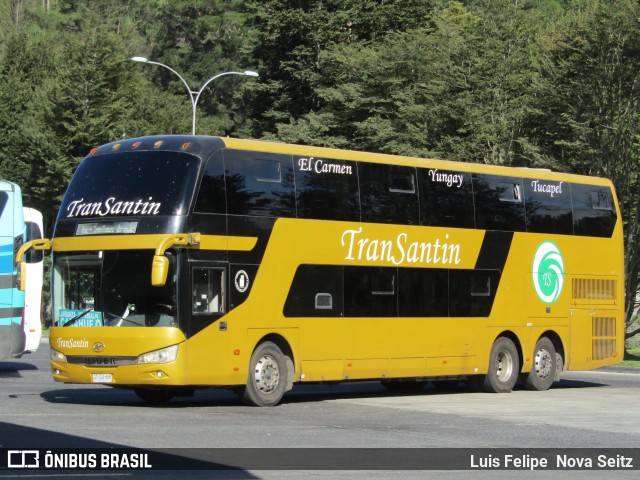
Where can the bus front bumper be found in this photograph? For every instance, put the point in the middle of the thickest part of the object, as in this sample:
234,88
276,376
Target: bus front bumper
160,374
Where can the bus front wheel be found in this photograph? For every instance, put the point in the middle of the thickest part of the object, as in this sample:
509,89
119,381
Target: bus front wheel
268,373
504,364
543,370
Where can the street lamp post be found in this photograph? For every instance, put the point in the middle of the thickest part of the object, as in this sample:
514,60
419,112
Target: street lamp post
194,94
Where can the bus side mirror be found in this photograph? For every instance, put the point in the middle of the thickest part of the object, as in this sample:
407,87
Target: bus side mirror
160,266
23,254
159,270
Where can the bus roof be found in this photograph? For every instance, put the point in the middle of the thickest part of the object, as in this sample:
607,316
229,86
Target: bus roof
204,146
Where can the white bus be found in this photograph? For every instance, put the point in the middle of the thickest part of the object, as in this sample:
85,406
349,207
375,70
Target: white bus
34,276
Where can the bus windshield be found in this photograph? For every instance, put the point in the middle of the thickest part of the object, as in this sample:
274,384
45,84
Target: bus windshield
131,184
112,289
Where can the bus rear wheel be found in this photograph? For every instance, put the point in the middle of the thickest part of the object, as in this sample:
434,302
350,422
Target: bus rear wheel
268,373
543,370
504,364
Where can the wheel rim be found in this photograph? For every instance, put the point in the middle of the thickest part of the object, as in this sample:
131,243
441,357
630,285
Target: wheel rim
266,374
543,362
504,366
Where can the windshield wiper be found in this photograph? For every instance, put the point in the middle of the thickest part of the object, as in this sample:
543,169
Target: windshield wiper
75,319
130,309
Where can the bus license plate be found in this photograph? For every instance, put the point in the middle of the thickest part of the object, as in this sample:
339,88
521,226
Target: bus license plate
102,377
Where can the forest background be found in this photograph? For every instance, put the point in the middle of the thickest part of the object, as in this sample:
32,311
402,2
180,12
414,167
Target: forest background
536,83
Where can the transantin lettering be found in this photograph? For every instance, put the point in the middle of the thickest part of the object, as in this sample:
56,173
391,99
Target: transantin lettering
399,250
450,179
112,206
73,343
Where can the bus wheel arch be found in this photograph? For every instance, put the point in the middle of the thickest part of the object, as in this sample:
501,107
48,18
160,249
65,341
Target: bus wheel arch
271,372
547,364
505,364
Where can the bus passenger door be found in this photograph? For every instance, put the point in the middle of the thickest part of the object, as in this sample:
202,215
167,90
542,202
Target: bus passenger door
208,296
206,329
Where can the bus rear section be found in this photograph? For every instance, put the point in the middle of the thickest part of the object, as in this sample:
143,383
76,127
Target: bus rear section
12,230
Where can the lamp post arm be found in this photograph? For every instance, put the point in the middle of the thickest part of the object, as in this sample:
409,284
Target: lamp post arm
193,95
204,85
184,82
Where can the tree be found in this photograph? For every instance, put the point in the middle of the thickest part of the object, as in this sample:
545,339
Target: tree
465,86
200,38
595,113
289,38
27,74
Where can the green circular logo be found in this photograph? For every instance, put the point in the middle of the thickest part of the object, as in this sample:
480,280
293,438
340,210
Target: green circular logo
548,272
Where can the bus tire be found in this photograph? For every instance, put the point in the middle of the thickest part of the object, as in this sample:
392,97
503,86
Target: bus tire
268,374
504,364
543,370
154,396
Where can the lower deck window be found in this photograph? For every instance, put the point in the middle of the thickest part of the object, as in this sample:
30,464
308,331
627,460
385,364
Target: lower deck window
334,291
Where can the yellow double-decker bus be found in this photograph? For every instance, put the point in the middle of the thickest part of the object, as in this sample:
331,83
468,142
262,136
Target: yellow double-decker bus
185,262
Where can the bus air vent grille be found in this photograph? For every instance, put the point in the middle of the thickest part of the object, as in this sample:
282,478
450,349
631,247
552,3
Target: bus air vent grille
604,337
594,289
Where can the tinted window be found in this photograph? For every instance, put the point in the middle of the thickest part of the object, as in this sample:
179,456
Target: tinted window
334,291
34,233
316,291
4,198
548,206
211,197
370,292
259,183
472,292
326,189
499,203
423,292
594,213
208,287
446,198
388,194
132,183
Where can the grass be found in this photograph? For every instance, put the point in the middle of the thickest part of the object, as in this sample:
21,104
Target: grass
631,358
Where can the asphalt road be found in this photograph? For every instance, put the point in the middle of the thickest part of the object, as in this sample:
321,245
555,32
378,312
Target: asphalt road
597,409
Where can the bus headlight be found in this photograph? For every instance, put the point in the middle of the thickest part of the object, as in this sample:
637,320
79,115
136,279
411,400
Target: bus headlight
56,356
164,355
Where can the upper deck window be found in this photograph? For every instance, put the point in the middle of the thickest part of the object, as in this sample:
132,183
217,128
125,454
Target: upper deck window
211,197
499,203
259,183
548,206
327,189
593,211
388,194
131,184
446,198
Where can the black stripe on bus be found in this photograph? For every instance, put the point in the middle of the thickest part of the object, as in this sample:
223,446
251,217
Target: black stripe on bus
494,250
